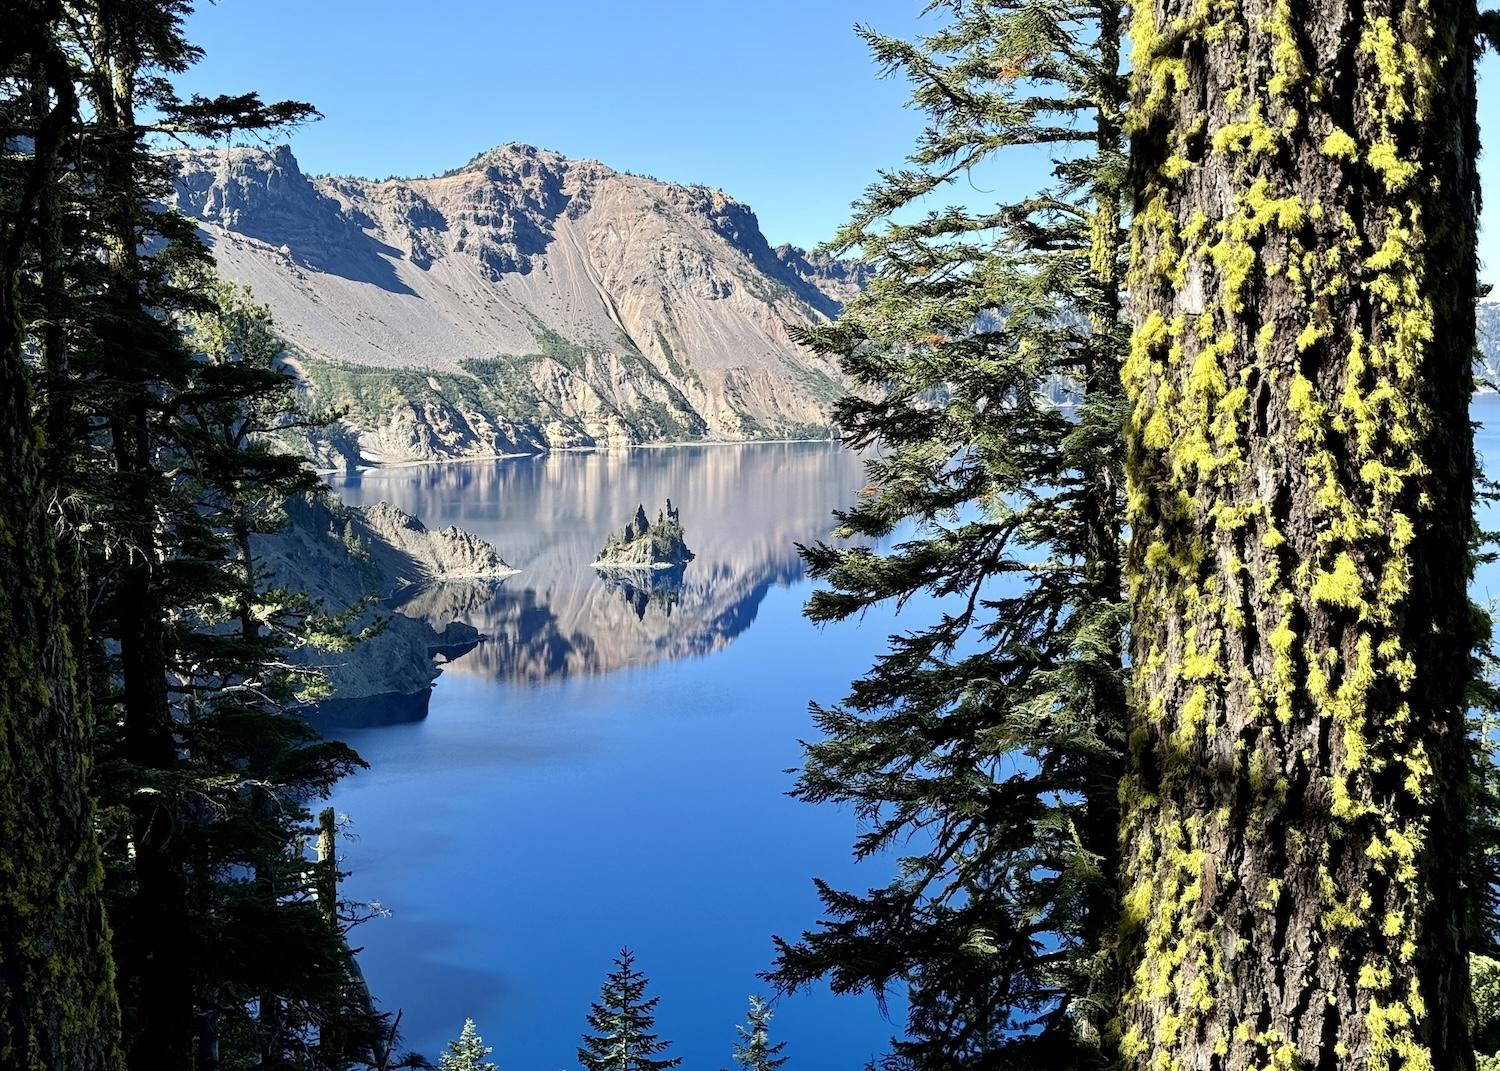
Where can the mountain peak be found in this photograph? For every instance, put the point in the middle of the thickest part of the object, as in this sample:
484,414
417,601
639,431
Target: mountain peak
509,155
572,304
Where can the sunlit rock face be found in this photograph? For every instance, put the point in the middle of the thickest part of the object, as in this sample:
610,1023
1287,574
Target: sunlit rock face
349,557
522,302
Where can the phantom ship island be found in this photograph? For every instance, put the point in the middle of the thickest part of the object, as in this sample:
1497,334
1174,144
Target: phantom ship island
646,563
645,545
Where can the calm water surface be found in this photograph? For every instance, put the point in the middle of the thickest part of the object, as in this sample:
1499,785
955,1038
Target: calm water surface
609,768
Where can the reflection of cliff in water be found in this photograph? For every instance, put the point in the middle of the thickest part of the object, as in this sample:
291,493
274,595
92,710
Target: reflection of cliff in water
745,508
643,589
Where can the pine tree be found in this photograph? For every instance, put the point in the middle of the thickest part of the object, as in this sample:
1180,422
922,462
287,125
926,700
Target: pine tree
467,1053
754,1051
622,1020
987,348
249,753
1300,466
128,356
156,392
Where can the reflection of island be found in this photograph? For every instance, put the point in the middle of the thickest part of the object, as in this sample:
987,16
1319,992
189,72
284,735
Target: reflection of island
645,545
558,617
659,586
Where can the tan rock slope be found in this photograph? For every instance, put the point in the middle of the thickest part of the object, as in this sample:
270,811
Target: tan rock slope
522,302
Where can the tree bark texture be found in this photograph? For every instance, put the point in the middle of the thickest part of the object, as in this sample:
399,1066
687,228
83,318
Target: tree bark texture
1300,465
58,1010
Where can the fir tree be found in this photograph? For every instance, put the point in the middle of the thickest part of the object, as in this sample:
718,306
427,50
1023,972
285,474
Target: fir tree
987,347
155,391
754,1051
467,1053
1300,467
622,1020
128,356
248,751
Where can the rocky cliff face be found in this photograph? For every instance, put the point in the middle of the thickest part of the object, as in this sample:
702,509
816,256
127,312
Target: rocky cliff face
342,555
521,302
1487,362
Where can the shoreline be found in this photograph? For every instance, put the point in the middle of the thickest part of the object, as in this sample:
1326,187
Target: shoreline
379,465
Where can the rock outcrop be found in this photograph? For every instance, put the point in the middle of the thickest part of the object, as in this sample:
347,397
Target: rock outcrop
644,545
522,302
408,554
380,555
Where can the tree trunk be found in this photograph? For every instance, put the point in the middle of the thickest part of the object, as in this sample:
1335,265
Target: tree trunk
57,1000
162,1038
1300,497
58,1010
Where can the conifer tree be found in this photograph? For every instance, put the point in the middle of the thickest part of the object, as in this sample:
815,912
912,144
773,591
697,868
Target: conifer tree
754,1051
467,1053
128,357
1300,467
155,391
248,752
987,347
622,1022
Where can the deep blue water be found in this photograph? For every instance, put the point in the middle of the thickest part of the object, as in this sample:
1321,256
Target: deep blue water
610,767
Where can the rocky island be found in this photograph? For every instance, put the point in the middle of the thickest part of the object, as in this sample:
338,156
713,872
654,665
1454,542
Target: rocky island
644,545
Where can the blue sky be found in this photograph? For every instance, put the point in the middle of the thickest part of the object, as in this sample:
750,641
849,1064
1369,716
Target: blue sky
774,101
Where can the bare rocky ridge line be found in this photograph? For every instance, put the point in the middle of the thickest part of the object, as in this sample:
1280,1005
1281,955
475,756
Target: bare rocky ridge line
522,302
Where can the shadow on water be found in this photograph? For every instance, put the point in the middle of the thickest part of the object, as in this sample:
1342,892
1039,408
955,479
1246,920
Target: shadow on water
370,712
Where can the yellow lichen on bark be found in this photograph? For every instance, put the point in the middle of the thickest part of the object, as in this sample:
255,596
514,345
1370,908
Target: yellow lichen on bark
1282,457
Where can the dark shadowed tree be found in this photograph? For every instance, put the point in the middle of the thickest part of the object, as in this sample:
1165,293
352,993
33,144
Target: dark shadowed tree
148,396
128,358
58,1010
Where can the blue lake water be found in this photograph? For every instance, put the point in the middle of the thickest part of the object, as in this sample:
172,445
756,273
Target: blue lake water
609,768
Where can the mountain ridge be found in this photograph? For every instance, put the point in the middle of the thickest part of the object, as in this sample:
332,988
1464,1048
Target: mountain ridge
522,302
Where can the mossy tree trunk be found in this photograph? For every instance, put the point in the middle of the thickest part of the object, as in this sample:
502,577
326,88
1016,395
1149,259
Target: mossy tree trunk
57,1000
1300,494
58,1010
